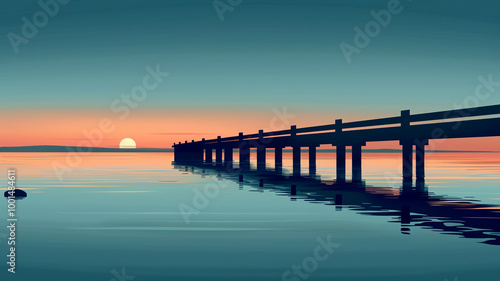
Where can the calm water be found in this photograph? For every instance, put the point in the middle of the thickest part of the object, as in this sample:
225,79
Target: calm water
117,216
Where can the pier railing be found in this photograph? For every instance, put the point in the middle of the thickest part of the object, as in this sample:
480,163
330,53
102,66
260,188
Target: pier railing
404,119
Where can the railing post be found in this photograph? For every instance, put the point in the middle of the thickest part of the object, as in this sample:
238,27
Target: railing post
407,149
218,151
405,120
312,159
208,155
208,152
341,167
228,154
244,150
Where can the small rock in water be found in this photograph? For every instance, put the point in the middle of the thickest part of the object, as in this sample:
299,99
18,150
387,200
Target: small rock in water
18,193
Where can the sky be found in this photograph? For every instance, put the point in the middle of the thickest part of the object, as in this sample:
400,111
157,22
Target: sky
219,70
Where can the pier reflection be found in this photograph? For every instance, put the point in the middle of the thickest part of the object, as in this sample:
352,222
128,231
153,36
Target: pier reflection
411,205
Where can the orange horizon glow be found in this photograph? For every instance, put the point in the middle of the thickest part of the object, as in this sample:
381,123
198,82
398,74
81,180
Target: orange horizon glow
161,128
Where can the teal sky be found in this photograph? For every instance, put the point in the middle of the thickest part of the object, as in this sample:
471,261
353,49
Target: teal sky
264,54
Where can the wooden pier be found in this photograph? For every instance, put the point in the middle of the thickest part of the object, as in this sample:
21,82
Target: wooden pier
413,131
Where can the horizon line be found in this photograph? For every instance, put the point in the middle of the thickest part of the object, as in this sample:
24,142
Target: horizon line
159,149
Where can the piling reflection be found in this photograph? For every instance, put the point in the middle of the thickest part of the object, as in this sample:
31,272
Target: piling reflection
411,205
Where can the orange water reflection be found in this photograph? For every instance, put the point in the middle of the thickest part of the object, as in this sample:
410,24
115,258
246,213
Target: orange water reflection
442,166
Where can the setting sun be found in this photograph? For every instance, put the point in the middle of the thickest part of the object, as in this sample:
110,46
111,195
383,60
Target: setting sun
127,143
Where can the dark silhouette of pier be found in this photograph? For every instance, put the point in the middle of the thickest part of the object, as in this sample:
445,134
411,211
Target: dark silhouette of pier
413,131
409,206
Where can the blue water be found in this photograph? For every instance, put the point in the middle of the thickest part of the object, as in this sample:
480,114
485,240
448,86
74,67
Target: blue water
117,216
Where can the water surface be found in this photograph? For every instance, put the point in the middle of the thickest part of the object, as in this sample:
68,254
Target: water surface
116,213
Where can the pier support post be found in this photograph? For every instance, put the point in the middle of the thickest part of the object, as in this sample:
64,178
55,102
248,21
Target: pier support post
197,154
420,159
218,151
192,152
177,153
296,160
261,153
407,149
407,161
228,154
278,158
312,159
341,163
356,163
295,151
340,149
208,155
245,155
244,150
203,149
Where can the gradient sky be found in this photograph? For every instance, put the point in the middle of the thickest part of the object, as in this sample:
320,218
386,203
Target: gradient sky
232,75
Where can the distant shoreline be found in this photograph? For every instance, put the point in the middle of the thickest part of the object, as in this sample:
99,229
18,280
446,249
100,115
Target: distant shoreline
56,148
